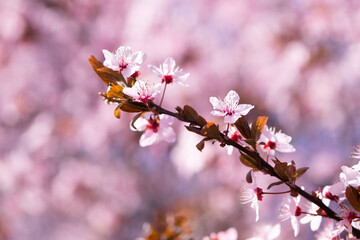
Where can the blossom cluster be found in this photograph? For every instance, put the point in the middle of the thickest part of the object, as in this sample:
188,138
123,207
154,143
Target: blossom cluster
257,142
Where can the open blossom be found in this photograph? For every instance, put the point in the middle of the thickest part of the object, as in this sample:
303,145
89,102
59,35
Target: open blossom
230,108
169,74
314,220
250,192
329,232
290,209
268,232
230,234
124,60
156,129
275,141
348,176
143,91
348,217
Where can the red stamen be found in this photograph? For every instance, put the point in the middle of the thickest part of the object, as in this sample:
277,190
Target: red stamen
167,79
297,211
236,137
259,194
153,124
270,144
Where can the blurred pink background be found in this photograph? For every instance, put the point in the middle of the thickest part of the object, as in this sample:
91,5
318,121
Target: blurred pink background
70,170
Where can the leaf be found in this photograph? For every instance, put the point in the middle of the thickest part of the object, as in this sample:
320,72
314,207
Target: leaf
117,111
116,91
249,161
249,177
285,171
353,196
200,146
274,184
137,116
243,126
106,74
191,114
300,172
211,130
258,127
128,106
194,129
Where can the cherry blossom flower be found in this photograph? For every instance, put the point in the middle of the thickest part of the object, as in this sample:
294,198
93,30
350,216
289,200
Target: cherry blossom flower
329,232
124,60
250,192
275,141
169,74
230,234
268,232
314,220
348,176
230,108
143,91
347,215
234,135
290,209
156,129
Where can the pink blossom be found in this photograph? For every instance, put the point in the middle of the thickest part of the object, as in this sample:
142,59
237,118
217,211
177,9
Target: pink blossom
230,234
314,220
250,192
169,74
156,129
143,91
124,60
290,210
347,216
329,232
230,108
275,141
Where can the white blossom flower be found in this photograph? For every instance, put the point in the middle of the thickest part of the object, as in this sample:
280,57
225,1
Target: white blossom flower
124,60
290,209
347,215
230,234
230,108
250,192
275,141
156,129
314,220
329,232
169,74
143,91
268,232
348,176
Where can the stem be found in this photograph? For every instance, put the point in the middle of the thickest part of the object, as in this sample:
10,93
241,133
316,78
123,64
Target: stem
264,166
276,192
163,94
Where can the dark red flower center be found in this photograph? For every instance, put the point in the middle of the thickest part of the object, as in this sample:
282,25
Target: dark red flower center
259,194
153,124
236,137
270,144
167,79
297,211
122,66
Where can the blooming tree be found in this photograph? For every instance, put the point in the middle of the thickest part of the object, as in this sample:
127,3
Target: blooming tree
120,72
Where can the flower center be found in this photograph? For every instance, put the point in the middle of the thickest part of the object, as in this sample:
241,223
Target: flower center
270,144
123,65
259,193
236,137
297,211
153,124
167,79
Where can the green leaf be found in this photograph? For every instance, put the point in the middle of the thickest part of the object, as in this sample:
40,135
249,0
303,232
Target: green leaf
258,127
353,196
